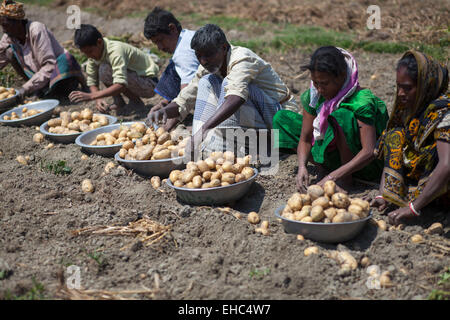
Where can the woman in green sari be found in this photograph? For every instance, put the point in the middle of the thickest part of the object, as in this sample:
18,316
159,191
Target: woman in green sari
416,144
340,124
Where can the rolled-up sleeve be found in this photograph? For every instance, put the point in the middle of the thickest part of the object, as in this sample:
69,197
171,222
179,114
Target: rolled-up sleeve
242,72
5,42
92,73
187,96
43,52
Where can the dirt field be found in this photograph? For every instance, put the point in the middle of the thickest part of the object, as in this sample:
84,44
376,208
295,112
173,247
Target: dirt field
208,254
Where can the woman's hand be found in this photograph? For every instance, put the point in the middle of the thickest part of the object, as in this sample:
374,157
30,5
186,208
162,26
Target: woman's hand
379,203
399,214
79,96
302,179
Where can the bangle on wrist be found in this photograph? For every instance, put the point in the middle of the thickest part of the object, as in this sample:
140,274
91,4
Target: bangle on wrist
413,210
379,197
329,177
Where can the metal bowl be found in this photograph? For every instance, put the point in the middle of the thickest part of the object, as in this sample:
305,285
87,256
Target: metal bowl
68,138
47,107
7,104
214,196
161,168
323,232
86,138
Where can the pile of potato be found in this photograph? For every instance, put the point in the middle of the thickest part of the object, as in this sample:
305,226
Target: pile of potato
219,169
150,144
6,93
121,135
76,122
325,205
25,114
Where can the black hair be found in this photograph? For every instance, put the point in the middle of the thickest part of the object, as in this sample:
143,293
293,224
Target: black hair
208,38
410,63
158,21
327,59
86,36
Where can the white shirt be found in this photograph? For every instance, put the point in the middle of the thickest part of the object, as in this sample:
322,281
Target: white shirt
184,58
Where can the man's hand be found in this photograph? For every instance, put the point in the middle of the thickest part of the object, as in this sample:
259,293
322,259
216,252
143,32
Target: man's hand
79,96
157,116
101,105
20,95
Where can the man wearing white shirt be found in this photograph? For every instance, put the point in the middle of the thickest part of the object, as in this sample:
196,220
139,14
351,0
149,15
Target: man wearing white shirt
165,31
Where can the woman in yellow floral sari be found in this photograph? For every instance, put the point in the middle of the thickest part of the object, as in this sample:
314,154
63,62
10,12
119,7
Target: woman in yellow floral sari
416,143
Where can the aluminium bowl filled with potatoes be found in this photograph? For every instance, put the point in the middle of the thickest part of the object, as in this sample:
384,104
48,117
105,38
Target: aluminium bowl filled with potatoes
107,141
69,125
219,179
324,215
8,98
30,114
154,153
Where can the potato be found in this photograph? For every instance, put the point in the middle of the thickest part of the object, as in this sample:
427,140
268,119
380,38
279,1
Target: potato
197,182
22,160
163,138
365,205
175,175
73,126
159,132
220,162
289,215
103,120
207,175
224,184
206,185
227,166
311,250
228,177
86,114
38,137
122,153
54,122
247,172
253,217
189,185
417,238
187,176
330,213
6,118
299,215
306,199
321,201
355,209
315,192
139,127
287,209
128,145
237,168
216,175
317,213
75,116
133,134
239,177
340,200
355,216
211,163
138,144
229,156
307,209
178,184
163,154
215,183
156,182
87,186
216,155
307,219
295,202
342,217
95,125
181,153
144,153
329,188
202,166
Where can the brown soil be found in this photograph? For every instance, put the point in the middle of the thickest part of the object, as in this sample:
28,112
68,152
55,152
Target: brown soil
209,254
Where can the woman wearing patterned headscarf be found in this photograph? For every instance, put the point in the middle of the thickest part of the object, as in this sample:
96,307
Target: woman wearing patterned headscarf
35,54
416,144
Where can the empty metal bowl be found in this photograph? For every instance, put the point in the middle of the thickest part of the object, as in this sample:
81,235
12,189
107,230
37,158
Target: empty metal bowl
7,104
323,232
71,137
86,138
214,196
161,168
47,107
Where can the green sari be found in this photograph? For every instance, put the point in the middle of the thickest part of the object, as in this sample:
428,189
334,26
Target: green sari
363,105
